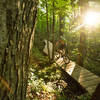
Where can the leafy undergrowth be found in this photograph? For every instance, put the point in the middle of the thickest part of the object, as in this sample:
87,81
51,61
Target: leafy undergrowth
92,66
45,81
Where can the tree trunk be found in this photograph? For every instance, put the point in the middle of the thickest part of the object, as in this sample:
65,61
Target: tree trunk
47,29
82,45
53,31
61,24
17,24
82,49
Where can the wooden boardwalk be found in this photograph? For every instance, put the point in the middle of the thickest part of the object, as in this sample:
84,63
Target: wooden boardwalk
87,79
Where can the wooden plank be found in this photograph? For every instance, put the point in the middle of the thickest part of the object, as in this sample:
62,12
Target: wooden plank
91,89
90,83
84,71
82,79
82,75
60,61
89,74
72,83
86,78
81,71
70,68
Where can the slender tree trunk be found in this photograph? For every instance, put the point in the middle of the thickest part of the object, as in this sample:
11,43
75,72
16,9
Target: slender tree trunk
17,25
61,24
82,49
47,29
82,45
53,32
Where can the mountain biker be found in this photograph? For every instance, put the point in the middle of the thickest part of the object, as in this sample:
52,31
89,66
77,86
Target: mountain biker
62,49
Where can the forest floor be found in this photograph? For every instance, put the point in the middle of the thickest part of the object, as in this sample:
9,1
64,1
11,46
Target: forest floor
46,83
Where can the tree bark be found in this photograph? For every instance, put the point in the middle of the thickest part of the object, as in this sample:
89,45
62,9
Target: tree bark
17,24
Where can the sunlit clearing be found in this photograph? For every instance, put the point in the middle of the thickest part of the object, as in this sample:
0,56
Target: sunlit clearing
92,18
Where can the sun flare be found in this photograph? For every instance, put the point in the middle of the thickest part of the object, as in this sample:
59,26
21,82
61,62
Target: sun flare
92,18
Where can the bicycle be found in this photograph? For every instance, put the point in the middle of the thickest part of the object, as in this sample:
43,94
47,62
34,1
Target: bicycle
62,54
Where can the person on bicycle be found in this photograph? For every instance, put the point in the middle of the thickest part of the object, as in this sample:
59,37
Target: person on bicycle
63,49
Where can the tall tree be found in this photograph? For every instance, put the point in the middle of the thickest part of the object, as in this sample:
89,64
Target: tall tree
61,24
17,24
82,45
53,30
47,29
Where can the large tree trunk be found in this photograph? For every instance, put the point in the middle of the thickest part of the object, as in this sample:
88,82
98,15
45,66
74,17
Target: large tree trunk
17,24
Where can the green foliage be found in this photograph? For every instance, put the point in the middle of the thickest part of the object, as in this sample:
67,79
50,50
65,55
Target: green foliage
43,74
39,55
62,7
61,98
84,97
43,80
